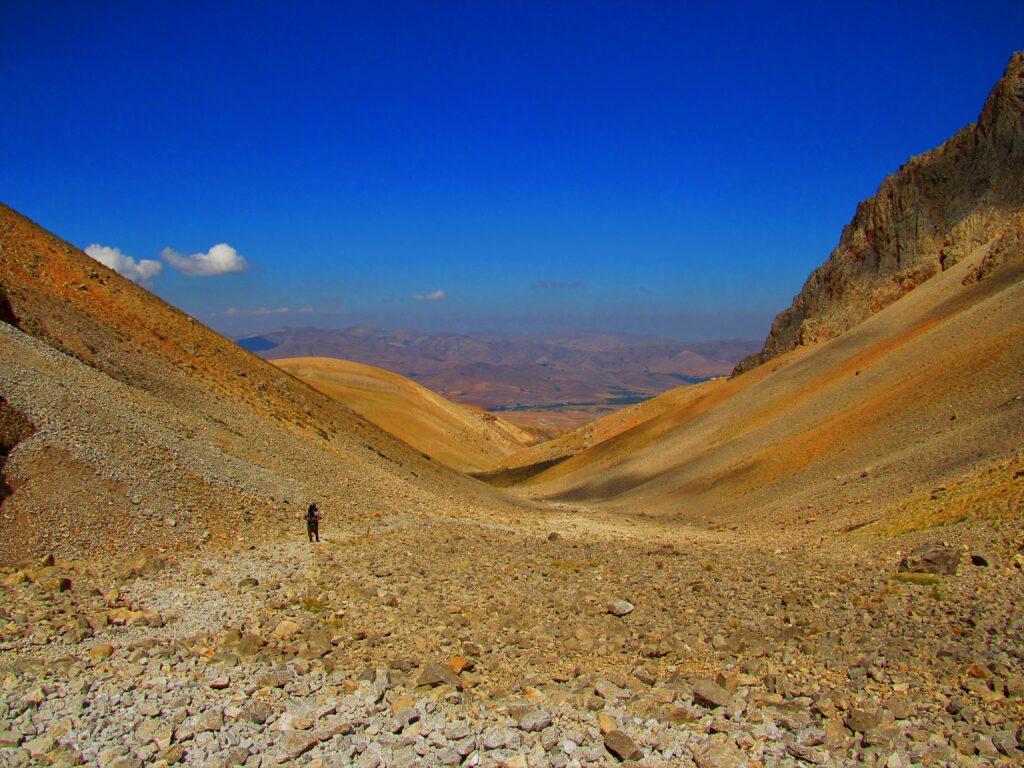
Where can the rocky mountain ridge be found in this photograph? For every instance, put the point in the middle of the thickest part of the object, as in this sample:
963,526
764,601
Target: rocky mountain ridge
926,217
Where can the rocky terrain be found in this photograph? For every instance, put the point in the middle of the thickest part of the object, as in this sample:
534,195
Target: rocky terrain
933,212
558,638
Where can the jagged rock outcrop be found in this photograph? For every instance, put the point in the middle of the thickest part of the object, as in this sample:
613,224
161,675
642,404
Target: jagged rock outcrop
935,210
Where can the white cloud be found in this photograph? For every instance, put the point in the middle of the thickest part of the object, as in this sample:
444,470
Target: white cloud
141,271
222,259
432,296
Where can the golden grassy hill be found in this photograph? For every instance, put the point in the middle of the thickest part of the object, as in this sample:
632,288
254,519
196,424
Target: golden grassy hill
461,437
927,391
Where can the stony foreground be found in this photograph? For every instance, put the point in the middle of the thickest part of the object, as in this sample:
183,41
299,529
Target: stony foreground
554,642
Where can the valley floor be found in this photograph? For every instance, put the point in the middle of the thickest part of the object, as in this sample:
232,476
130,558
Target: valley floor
401,641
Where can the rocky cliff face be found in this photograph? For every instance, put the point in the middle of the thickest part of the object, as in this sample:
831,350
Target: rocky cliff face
924,218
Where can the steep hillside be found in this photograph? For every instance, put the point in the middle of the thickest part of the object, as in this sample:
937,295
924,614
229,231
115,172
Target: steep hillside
135,424
925,393
461,437
925,218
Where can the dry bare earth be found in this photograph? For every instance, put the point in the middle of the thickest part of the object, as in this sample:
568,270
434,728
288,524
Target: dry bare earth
458,436
279,651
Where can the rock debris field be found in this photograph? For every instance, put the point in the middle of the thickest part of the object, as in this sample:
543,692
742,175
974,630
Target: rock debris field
403,641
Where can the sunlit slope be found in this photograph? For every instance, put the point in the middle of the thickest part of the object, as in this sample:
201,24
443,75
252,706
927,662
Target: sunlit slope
461,437
925,390
533,459
137,425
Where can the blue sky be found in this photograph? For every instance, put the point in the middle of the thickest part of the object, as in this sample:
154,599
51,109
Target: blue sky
641,167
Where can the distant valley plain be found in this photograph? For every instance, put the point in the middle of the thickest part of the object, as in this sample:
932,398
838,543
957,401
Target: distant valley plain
553,383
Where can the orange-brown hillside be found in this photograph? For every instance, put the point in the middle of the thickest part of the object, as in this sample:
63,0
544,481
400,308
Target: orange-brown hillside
534,459
927,391
133,423
461,437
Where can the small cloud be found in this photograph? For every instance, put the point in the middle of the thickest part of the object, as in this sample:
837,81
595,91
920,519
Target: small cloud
555,285
141,271
432,296
222,259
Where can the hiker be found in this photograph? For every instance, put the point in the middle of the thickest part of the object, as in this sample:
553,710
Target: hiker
312,519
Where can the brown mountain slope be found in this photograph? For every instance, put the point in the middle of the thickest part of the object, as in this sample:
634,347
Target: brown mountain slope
534,459
934,211
149,427
461,437
926,390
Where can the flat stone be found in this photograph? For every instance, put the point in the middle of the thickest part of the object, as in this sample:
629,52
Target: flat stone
438,674
9,739
931,558
101,651
609,691
39,746
719,751
211,720
256,711
294,744
173,754
622,746
535,720
249,645
863,720
286,629
709,694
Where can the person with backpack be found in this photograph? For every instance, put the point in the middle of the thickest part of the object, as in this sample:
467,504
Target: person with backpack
312,519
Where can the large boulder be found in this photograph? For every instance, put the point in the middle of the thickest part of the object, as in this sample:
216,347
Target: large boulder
931,558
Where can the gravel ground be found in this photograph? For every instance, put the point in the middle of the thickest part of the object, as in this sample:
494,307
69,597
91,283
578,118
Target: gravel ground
408,641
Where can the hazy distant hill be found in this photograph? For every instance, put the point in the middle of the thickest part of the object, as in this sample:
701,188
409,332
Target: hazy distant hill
519,375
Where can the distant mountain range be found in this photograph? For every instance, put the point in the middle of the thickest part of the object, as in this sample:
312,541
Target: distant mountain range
566,372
